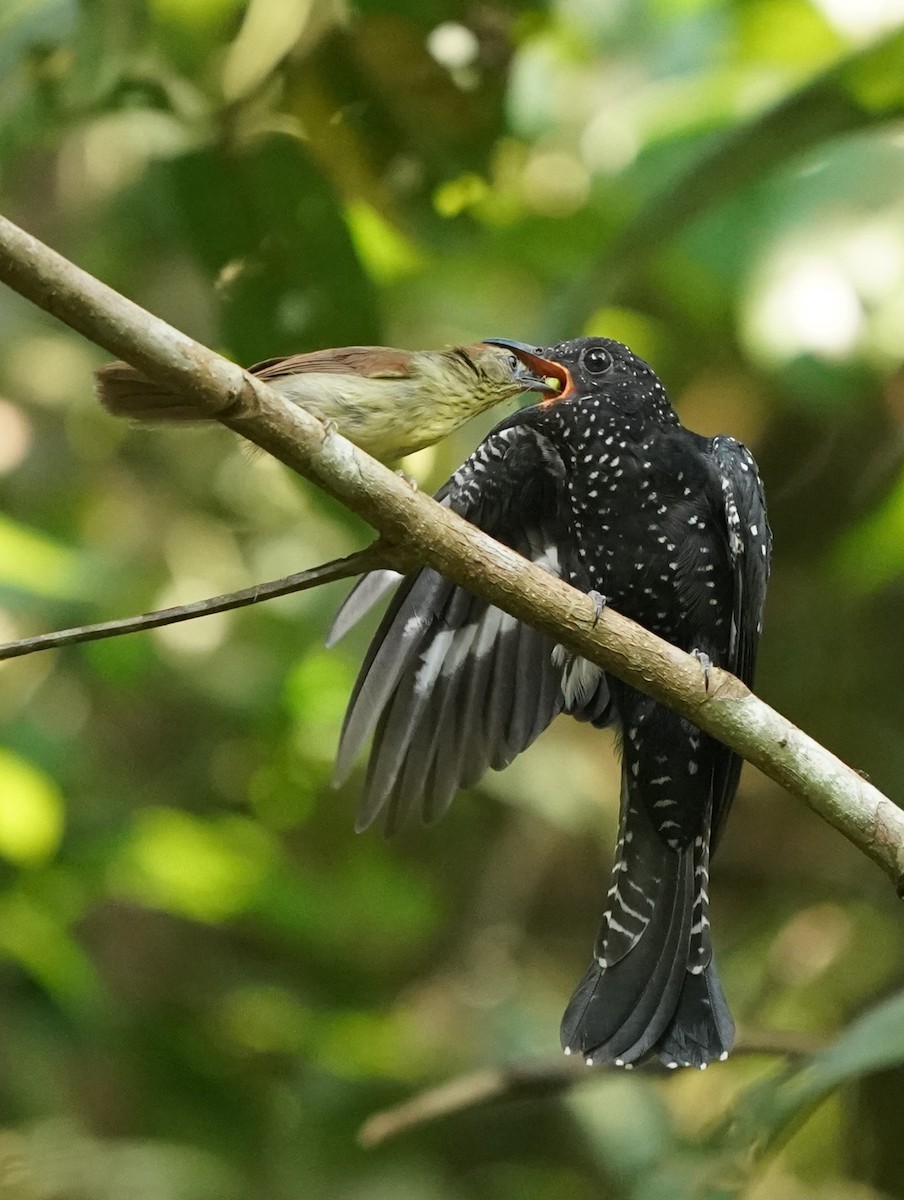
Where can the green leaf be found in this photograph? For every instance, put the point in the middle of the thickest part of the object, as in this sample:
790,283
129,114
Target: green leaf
872,1043
31,811
769,1111
271,234
35,937
207,870
865,88
34,562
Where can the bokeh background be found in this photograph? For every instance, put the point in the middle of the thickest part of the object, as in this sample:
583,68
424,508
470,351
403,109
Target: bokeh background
207,981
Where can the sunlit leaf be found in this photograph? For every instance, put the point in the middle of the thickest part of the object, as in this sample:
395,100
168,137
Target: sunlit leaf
208,870
31,811
34,562
270,30
383,250
317,689
33,936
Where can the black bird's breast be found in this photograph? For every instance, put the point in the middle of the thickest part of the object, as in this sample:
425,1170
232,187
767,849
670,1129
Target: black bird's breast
641,499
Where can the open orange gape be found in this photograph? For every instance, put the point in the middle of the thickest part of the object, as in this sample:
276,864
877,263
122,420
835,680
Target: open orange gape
550,370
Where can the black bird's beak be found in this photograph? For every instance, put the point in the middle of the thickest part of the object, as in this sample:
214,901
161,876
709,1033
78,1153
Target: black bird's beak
541,374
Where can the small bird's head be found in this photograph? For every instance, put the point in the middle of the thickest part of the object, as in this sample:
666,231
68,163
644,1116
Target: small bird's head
599,367
497,372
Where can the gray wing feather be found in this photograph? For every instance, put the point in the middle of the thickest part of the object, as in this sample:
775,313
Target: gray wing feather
452,685
367,592
414,606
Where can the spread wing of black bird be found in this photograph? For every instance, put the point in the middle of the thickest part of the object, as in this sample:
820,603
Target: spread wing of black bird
603,486
453,685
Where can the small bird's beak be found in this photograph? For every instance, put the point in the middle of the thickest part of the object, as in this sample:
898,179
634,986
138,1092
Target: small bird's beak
542,374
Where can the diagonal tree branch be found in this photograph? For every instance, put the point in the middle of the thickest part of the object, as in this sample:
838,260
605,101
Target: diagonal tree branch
427,532
376,555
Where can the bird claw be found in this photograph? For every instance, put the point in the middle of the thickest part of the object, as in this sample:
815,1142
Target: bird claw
329,427
409,479
599,604
706,663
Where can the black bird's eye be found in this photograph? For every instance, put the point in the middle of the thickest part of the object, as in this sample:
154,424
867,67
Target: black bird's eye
514,362
597,361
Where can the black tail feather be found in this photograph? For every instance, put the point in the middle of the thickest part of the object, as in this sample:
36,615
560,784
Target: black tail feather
620,1010
702,1029
649,1001
652,986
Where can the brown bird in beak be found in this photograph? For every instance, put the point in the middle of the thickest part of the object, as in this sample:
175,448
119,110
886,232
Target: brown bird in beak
389,402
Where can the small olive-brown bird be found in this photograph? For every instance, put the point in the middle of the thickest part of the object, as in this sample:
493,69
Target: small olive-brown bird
389,402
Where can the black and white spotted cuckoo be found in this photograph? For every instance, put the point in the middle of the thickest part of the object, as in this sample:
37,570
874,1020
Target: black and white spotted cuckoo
603,486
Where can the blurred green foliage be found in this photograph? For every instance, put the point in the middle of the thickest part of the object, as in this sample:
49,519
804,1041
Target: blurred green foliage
207,980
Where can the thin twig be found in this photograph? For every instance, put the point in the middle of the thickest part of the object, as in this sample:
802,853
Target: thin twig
377,555
433,534
542,1078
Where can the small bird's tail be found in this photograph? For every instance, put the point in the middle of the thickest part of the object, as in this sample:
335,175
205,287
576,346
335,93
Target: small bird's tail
652,985
125,392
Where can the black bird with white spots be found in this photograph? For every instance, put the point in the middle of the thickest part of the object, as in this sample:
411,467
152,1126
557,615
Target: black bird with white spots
603,486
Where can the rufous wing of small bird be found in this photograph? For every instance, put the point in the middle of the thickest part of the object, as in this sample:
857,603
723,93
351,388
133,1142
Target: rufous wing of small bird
389,402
